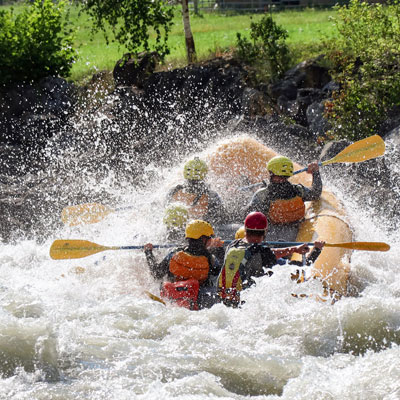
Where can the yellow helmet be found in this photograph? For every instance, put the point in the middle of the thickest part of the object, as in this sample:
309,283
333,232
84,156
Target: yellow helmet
240,233
281,166
195,169
176,216
197,228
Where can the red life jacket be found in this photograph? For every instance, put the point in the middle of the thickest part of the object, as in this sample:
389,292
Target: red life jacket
187,266
182,293
287,211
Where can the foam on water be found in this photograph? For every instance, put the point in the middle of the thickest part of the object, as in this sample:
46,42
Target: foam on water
85,329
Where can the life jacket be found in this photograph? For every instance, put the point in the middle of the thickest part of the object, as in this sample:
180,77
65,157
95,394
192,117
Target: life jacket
286,211
197,203
230,278
187,266
182,293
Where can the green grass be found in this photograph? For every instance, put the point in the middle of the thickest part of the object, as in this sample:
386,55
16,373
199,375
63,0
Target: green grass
214,34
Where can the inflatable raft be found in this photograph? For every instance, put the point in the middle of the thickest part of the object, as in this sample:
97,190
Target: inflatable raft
244,160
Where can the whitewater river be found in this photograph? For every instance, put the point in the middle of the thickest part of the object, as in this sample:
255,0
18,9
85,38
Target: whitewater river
84,329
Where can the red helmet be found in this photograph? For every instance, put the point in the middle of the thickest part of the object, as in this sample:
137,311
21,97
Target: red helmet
256,221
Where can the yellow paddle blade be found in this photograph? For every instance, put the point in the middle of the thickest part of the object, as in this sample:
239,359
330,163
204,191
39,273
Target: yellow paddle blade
369,246
363,150
69,249
154,297
88,213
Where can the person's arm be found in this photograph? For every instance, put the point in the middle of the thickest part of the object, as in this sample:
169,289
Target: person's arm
157,270
172,192
313,193
216,209
288,251
258,202
316,251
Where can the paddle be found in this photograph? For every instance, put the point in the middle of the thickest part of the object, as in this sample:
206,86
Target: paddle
363,150
360,151
88,213
70,249
154,297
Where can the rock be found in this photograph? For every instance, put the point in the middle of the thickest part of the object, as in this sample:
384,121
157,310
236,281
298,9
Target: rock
286,88
315,118
133,70
309,74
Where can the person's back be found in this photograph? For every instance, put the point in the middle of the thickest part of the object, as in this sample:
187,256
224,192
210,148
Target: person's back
201,201
248,258
283,202
191,263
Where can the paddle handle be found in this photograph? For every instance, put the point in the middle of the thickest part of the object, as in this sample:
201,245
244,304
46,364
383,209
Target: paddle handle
305,169
254,185
155,246
368,246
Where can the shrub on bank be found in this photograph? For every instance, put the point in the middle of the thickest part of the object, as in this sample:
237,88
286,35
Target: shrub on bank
35,43
366,64
267,50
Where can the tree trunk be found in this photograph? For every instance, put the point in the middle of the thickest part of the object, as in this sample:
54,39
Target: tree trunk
190,49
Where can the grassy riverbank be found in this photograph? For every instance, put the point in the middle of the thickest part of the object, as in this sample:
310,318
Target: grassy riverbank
214,34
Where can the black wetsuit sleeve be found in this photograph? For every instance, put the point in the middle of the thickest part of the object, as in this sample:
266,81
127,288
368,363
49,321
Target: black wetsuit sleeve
313,256
172,192
268,257
216,210
158,270
313,193
259,202
218,254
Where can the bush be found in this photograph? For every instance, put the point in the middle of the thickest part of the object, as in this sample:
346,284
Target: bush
366,59
267,49
35,43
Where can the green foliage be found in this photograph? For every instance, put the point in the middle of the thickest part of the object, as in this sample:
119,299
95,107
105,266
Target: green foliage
131,20
366,60
267,49
35,43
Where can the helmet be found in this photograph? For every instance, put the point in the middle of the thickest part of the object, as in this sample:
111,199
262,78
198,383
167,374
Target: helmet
197,228
240,233
281,166
195,169
256,221
176,216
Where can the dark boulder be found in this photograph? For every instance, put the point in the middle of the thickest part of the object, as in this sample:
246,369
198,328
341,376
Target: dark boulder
133,70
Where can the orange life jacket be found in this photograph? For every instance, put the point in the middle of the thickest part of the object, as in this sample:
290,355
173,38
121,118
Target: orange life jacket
287,211
197,205
186,266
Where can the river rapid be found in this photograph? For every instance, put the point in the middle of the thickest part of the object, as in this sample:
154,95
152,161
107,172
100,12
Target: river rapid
85,329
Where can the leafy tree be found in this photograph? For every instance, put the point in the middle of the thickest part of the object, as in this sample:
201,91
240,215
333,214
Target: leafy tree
131,21
366,60
36,42
267,48
189,41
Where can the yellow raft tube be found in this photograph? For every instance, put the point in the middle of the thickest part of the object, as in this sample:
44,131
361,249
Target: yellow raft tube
246,159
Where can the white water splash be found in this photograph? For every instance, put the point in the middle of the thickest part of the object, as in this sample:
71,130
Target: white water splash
85,329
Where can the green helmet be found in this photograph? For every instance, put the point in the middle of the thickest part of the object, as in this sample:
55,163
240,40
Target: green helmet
176,216
195,170
281,166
